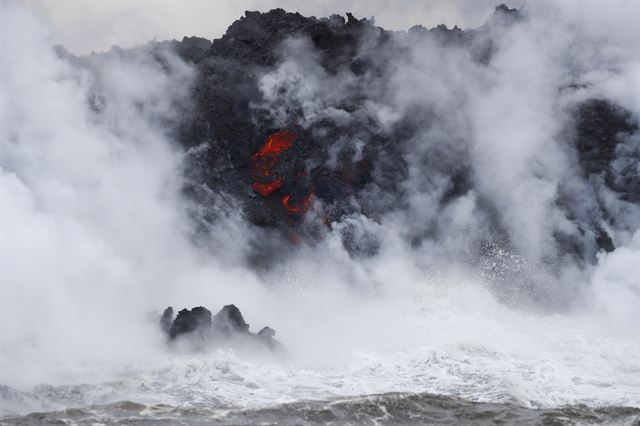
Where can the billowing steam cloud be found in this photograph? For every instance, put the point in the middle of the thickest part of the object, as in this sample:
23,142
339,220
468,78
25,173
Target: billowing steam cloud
490,154
97,229
93,225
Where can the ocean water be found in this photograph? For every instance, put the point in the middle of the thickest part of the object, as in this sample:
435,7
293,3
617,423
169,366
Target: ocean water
392,408
489,364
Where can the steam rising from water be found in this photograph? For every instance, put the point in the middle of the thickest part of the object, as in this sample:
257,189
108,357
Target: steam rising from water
95,232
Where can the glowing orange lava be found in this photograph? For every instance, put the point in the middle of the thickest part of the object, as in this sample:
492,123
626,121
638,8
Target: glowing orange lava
266,178
277,143
266,159
297,209
265,189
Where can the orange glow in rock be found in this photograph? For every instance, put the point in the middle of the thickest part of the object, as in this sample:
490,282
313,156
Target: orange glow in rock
277,143
265,181
265,189
286,202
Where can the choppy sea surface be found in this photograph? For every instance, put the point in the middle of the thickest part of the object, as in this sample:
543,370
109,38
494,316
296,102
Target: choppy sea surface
390,408
457,385
466,359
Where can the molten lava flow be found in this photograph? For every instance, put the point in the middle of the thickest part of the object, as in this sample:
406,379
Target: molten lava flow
277,143
265,181
297,209
265,189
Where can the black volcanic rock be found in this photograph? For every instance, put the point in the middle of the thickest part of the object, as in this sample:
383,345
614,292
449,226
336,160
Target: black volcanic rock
231,124
192,48
601,128
228,123
232,129
505,14
189,321
229,320
267,335
227,327
347,163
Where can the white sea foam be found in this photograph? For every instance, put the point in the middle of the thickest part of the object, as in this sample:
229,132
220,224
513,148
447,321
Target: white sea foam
465,344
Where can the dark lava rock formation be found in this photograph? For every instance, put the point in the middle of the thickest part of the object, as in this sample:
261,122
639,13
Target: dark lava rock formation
226,327
188,321
279,169
295,171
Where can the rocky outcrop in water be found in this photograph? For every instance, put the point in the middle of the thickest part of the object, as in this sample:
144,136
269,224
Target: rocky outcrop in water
196,320
227,327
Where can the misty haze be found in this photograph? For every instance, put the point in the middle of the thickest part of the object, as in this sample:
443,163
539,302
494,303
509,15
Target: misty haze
309,213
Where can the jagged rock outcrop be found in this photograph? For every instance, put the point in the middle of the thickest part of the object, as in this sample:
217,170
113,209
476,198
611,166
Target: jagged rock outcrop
229,321
189,321
227,327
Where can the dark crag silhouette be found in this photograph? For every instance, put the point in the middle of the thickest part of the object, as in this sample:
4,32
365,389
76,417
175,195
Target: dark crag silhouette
224,328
